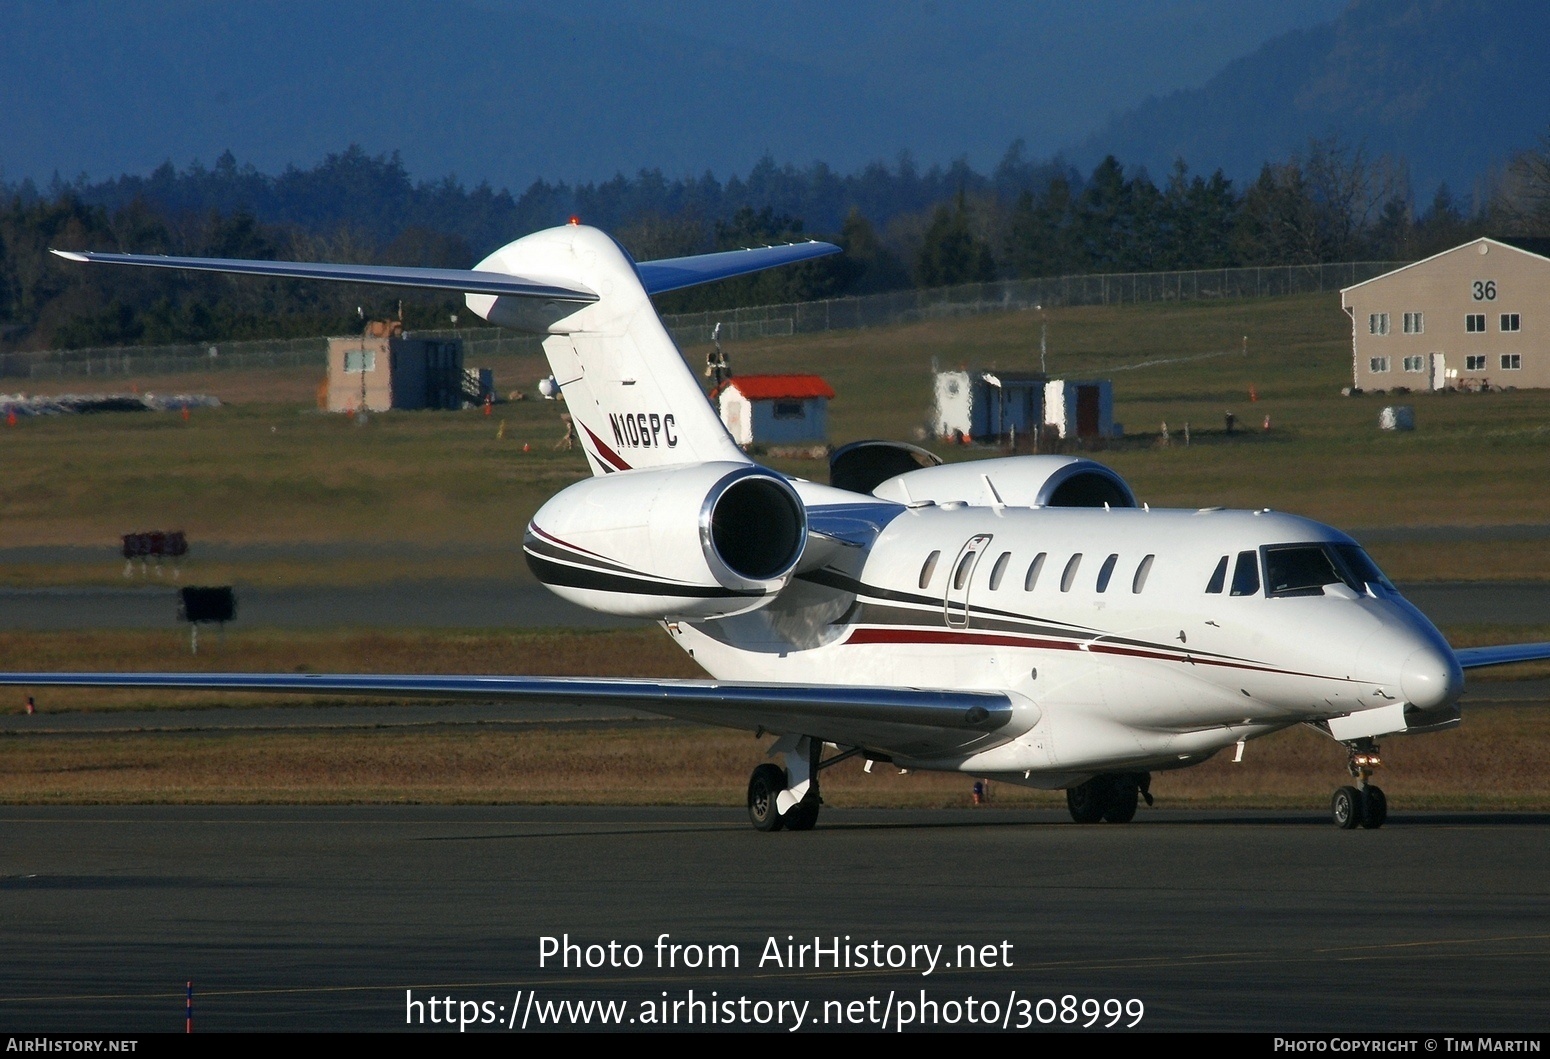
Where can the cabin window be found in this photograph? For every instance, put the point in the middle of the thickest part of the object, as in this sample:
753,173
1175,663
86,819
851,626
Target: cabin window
1034,568
1245,575
929,568
999,570
961,575
1067,578
1218,577
1139,581
1105,572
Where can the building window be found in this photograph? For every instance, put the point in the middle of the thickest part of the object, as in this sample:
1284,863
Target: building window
1512,361
1474,323
363,360
1415,363
790,410
1377,364
1415,324
1378,324
1512,322
1474,363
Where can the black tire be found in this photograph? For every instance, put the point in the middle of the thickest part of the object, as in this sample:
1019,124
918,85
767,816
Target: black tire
1375,808
766,782
1346,808
802,817
1124,795
1087,801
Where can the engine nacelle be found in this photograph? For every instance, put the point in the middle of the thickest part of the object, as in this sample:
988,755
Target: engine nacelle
703,541
1016,481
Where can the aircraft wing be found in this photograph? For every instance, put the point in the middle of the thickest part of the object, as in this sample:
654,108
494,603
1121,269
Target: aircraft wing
1479,657
466,281
675,273
875,717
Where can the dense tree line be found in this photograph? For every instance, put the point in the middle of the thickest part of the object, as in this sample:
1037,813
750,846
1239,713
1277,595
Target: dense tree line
900,227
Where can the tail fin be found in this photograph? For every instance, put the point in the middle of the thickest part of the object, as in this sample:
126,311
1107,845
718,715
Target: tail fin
631,395
633,399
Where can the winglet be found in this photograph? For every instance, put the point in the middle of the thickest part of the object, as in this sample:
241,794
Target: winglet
70,255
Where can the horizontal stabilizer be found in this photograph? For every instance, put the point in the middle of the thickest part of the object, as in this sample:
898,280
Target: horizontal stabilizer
466,281
776,707
1506,654
675,273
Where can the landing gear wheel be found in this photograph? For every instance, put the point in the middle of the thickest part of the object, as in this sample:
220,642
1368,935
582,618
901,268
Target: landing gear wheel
1124,796
766,782
1086,802
1376,808
1346,808
802,817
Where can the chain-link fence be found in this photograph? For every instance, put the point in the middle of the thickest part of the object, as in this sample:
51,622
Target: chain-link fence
762,321
164,360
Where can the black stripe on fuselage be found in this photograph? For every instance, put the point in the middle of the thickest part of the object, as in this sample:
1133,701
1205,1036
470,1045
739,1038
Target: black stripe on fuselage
568,576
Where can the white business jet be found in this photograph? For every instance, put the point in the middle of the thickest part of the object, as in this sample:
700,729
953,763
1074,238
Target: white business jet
1021,619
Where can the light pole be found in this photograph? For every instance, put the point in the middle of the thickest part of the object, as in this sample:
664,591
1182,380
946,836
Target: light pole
1043,340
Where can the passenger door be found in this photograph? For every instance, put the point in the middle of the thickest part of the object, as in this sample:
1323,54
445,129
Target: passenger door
960,578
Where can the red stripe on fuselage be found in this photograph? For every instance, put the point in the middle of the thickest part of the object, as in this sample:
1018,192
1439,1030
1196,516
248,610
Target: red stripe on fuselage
987,639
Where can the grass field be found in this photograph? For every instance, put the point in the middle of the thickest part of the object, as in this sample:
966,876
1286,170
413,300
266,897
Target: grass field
1495,761
267,468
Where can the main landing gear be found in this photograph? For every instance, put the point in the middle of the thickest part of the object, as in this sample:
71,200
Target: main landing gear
787,798
1363,805
1109,796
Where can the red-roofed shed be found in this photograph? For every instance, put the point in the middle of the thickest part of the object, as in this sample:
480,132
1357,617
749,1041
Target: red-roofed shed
775,409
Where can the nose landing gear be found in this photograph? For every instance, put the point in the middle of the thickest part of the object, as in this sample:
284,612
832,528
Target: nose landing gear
1365,804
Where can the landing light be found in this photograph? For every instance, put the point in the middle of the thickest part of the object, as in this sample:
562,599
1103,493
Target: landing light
1370,761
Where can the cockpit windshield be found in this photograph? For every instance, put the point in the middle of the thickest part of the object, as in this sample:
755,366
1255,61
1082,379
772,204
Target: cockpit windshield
1304,569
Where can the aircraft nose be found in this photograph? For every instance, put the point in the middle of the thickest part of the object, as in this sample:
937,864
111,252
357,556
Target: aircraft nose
1429,678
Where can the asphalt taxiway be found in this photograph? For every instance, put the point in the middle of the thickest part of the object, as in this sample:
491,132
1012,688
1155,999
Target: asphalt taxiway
336,918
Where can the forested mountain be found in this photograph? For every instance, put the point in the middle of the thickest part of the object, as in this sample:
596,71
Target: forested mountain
1449,89
1328,201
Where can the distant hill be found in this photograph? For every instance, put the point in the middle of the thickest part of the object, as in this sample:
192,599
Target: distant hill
512,91
1452,86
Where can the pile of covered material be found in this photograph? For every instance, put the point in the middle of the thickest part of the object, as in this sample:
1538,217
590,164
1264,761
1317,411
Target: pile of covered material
76,403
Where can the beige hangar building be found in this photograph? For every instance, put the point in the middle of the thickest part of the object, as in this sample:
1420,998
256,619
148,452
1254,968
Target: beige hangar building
1465,319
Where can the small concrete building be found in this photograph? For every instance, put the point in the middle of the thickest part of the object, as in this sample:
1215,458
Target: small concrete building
775,409
1462,319
1080,408
989,406
984,405
389,369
